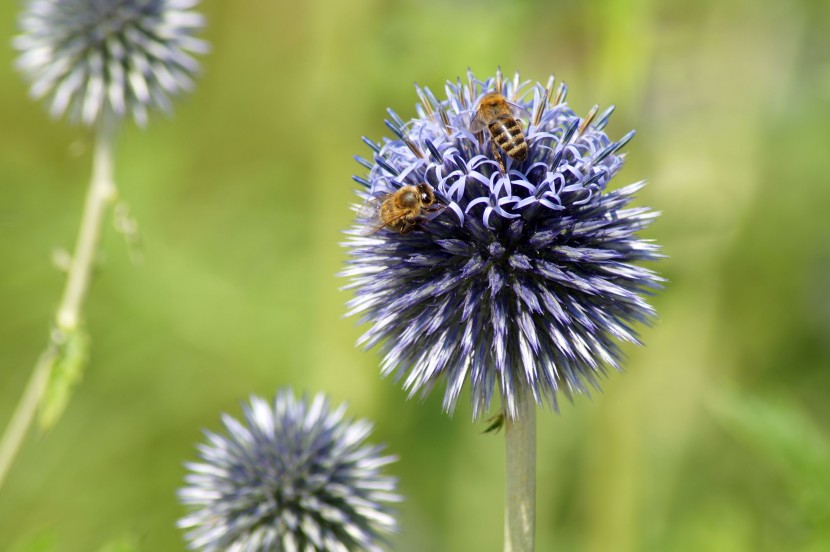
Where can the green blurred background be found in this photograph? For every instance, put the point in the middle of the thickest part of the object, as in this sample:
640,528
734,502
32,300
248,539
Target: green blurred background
718,436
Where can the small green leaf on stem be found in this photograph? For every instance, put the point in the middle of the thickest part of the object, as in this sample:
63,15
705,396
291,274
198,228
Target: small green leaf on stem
72,348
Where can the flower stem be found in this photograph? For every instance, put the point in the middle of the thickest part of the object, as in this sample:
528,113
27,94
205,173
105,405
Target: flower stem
25,411
520,496
100,195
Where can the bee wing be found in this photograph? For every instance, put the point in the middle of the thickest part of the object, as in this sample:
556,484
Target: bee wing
518,111
371,212
376,226
371,229
477,124
371,209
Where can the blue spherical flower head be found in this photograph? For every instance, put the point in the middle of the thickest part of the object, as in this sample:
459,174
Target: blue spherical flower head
293,476
523,279
95,57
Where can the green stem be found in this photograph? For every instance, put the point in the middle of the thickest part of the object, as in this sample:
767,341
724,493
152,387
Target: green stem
100,196
25,411
520,496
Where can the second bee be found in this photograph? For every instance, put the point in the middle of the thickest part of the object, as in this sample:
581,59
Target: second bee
499,117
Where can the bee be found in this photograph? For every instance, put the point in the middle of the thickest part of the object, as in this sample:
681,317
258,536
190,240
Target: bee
401,210
498,116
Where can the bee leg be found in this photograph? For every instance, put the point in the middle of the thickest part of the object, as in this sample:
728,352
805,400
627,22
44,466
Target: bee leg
497,155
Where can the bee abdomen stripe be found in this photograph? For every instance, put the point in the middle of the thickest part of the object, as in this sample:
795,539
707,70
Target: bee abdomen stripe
517,148
500,125
517,142
502,139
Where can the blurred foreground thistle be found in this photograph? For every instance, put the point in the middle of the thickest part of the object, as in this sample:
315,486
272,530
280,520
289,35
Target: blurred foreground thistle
293,476
98,61
523,282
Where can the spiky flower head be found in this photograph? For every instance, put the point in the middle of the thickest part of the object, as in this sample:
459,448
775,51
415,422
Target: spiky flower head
523,280
294,476
96,57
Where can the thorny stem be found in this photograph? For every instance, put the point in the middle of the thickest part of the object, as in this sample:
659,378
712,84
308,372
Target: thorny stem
100,196
520,495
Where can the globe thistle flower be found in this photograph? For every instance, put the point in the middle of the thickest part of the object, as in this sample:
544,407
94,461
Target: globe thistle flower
91,57
293,476
524,277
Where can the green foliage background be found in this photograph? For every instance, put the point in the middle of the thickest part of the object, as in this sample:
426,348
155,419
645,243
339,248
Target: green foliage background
718,436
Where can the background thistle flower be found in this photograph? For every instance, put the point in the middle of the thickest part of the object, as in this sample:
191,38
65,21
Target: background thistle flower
95,56
99,60
525,279
294,476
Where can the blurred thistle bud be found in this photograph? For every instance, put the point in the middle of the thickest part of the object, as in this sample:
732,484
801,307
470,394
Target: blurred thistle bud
293,476
96,57
519,272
